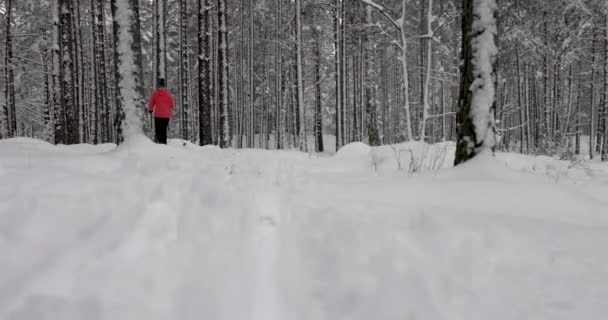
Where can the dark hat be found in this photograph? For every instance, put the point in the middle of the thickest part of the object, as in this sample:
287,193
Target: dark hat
161,83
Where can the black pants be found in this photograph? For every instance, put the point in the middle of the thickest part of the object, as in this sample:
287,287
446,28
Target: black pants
161,125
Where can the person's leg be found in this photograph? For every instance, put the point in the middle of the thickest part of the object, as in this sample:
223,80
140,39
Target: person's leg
164,125
158,129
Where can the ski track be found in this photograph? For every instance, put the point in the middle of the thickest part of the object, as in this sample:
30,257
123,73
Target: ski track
212,234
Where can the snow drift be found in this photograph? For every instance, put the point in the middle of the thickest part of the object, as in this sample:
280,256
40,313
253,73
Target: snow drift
146,231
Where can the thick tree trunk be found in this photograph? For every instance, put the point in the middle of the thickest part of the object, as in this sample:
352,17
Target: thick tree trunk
475,119
138,61
128,121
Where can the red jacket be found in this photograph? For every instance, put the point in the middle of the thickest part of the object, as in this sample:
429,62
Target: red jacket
162,103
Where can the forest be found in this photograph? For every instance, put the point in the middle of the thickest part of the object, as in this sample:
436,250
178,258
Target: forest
280,74
325,159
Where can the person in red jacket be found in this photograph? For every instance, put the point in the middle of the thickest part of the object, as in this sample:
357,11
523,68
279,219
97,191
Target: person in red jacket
162,105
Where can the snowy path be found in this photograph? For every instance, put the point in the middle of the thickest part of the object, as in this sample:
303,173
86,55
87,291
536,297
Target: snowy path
153,232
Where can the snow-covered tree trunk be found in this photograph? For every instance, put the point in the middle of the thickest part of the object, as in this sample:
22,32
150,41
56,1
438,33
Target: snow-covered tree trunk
8,122
130,99
95,89
278,81
299,75
100,57
577,118
223,74
403,29
137,48
338,25
184,71
48,132
604,110
475,119
427,77
318,116
592,112
251,102
57,99
205,83
160,38
78,70
371,86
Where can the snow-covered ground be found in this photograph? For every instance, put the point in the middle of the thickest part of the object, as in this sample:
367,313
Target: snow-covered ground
149,232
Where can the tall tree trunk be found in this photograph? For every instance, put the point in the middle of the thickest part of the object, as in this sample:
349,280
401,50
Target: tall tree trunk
104,100
592,113
137,47
299,75
67,73
475,119
95,88
371,86
118,102
522,118
604,113
577,125
58,107
338,70
48,133
251,108
278,78
128,122
427,78
184,71
223,74
205,83
318,125
8,117
160,32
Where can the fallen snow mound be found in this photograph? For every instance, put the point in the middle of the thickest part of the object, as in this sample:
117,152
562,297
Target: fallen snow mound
355,149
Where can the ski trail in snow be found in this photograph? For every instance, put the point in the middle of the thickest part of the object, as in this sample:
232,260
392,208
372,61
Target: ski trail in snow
265,241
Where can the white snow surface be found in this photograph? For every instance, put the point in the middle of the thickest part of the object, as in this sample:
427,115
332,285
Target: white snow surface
145,231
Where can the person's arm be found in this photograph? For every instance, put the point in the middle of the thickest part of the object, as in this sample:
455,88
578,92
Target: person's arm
152,103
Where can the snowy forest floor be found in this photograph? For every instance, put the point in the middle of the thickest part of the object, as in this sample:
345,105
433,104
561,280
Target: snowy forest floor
144,231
